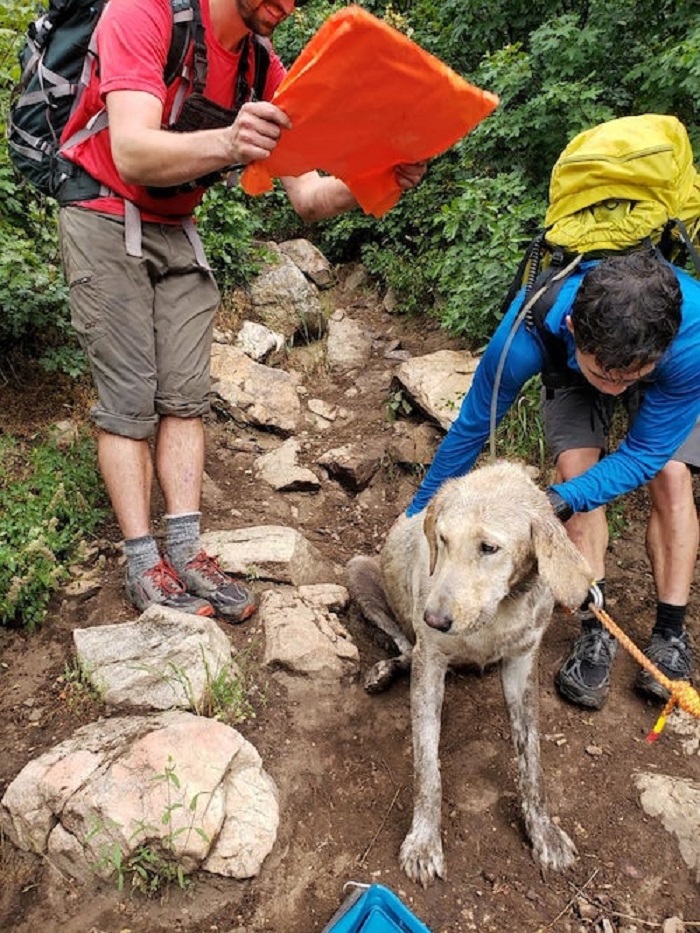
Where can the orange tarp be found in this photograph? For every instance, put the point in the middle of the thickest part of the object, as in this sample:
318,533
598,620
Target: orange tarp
363,98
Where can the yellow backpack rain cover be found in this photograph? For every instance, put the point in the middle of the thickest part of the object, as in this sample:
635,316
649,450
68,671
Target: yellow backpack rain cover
620,183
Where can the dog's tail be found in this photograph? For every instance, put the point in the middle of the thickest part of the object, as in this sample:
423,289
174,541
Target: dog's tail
365,586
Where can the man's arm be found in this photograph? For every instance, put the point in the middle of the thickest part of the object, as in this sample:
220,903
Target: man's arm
146,154
317,197
464,441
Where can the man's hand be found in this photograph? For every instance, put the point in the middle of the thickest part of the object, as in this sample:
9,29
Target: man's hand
561,507
256,131
408,175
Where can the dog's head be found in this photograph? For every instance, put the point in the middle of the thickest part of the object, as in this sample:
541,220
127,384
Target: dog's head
491,535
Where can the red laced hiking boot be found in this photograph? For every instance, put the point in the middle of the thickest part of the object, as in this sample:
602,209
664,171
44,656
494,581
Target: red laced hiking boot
162,586
232,600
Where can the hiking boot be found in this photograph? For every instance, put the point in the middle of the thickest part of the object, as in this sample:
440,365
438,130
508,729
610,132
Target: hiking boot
163,587
584,678
203,575
673,656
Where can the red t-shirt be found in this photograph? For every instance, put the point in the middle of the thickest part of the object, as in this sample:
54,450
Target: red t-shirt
133,39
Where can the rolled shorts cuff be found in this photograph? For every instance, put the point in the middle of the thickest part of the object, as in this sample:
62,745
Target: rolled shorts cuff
138,429
183,407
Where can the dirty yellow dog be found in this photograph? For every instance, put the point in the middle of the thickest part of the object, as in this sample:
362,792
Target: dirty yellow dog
472,579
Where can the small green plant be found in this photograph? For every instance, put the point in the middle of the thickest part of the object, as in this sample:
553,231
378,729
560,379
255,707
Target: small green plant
77,685
618,522
225,693
155,862
397,405
226,696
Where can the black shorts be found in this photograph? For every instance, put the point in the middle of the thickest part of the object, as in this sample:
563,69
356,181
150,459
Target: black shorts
580,416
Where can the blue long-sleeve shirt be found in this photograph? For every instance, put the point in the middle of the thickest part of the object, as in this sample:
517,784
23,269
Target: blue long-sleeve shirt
668,413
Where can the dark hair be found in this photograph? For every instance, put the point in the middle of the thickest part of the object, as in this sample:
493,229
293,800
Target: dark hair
627,310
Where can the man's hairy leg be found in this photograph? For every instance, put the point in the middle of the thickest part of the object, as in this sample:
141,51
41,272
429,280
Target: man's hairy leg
180,463
584,677
672,533
127,470
587,530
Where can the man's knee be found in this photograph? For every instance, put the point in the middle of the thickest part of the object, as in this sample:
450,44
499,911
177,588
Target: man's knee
672,487
574,462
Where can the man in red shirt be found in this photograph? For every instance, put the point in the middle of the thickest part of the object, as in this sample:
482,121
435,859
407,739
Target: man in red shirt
143,297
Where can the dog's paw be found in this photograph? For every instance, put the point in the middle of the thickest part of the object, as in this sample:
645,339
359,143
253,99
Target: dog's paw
553,848
421,857
382,675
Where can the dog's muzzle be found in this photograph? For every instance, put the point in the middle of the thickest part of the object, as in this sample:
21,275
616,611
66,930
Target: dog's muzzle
443,623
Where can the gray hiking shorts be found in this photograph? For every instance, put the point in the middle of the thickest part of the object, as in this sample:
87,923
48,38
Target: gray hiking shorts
145,323
580,416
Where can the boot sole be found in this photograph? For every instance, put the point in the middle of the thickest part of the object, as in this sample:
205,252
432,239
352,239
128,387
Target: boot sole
241,616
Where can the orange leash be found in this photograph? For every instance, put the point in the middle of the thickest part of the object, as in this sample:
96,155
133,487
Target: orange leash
683,694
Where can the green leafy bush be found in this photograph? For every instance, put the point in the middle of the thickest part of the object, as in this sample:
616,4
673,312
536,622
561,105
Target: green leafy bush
50,500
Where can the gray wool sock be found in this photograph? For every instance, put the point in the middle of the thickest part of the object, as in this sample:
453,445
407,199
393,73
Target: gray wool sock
141,554
182,537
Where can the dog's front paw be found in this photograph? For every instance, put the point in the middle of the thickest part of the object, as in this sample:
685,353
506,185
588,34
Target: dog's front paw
383,674
553,848
421,857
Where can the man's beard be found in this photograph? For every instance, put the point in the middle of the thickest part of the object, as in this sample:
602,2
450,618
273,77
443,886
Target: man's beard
252,21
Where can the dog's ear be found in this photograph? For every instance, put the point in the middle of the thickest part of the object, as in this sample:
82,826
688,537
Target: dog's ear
562,566
429,532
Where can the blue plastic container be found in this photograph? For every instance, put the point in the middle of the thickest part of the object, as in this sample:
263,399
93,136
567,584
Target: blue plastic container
373,909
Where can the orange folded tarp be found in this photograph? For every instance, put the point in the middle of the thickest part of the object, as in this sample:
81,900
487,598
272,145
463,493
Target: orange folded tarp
363,98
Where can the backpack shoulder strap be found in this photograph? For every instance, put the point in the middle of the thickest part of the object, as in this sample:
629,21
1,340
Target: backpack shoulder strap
186,24
555,373
261,54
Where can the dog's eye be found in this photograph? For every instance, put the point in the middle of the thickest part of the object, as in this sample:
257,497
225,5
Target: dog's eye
487,548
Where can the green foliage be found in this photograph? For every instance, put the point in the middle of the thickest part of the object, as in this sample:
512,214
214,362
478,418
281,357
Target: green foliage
520,435
50,500
227,228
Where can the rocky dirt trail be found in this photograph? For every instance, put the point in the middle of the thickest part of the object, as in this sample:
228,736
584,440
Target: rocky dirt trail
341,759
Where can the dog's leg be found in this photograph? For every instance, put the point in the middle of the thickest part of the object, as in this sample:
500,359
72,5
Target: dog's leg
551,846
365,585
421,853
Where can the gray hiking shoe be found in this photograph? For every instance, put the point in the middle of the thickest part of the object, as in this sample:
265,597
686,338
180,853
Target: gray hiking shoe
584,678
161,586
673,656
232,600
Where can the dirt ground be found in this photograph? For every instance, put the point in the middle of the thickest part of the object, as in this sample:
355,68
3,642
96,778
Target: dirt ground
341,758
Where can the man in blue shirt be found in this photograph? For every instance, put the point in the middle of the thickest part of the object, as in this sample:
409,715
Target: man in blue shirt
625,326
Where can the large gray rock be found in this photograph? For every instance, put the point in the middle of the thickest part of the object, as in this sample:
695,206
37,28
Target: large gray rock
255,394
310,260
286,301
270,552
303,634
280,469
163,660
190,788
438,382
347,344
676,802
258,341
353,465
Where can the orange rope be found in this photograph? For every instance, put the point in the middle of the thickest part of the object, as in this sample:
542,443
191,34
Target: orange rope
682,693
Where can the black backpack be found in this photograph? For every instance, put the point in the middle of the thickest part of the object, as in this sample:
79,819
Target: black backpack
56,61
